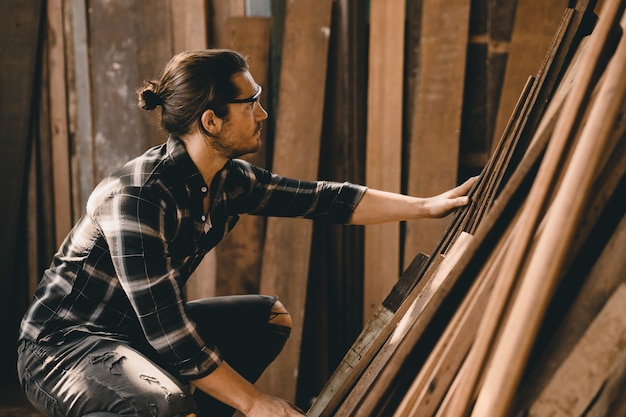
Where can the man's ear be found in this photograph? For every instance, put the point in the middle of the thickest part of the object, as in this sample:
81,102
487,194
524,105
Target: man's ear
211,122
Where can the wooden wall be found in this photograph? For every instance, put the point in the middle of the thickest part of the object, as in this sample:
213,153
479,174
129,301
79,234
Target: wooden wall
68,106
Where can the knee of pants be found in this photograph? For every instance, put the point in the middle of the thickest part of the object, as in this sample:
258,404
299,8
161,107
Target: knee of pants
279,316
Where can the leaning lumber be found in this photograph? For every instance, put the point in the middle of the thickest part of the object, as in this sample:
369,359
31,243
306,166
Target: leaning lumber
540,275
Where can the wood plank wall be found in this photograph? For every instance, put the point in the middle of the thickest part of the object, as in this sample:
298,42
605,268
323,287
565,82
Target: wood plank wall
91,72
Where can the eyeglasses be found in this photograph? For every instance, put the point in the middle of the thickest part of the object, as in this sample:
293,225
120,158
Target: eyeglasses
251,99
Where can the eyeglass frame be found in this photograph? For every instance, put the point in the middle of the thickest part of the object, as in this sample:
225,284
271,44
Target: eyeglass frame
252,99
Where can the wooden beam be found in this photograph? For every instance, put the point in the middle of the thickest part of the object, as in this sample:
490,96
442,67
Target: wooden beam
57,105
436,121
296,154
533,31
188,28
239,254
384,144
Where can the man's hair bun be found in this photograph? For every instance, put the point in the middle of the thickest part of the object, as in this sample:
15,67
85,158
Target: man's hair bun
148,98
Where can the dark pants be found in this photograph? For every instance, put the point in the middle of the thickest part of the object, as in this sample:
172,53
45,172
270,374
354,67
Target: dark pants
97,376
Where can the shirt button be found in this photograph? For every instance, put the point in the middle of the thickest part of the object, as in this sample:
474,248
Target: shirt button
203,189
203,218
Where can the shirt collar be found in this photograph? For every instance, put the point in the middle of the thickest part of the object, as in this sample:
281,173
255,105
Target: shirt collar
185,167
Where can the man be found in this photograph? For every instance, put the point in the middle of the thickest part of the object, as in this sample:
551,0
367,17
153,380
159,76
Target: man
109,332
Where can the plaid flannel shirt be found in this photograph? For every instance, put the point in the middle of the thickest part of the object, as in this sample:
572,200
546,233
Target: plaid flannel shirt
122,268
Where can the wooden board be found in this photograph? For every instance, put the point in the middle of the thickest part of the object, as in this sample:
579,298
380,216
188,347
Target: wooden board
383,164
60,149
435,132
188,28
239,254
296,154
533,31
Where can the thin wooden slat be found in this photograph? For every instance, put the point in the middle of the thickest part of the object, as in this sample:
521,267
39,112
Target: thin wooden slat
58,122
582,374
436,122
296,154
383,161
79,103
541,273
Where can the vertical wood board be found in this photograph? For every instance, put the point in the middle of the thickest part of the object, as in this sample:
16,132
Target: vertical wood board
435,135
296,154
533,31
188,29
384,144
239,254
58,121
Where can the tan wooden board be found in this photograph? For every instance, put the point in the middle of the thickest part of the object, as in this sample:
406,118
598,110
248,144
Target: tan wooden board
533,31
239,254
296,154
58,122
383,162
436,121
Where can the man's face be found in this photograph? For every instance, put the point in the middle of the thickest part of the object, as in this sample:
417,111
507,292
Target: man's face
241,131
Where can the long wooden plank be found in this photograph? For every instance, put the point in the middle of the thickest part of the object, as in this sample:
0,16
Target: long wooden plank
189,30
533,31
78,103
239,254
605,276
383,160
528,308
436,121
58,122
296,154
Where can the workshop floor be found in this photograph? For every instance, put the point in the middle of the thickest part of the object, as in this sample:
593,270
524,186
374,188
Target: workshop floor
14,404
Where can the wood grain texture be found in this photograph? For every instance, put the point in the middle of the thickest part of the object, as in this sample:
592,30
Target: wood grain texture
296,154
436,121
383,163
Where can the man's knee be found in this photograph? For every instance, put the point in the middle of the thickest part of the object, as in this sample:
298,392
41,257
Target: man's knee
279,315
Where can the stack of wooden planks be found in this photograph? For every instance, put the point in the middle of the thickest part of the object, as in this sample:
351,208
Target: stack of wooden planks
520,308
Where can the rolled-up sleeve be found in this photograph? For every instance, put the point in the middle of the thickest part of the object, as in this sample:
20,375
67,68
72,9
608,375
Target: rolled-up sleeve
269,194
